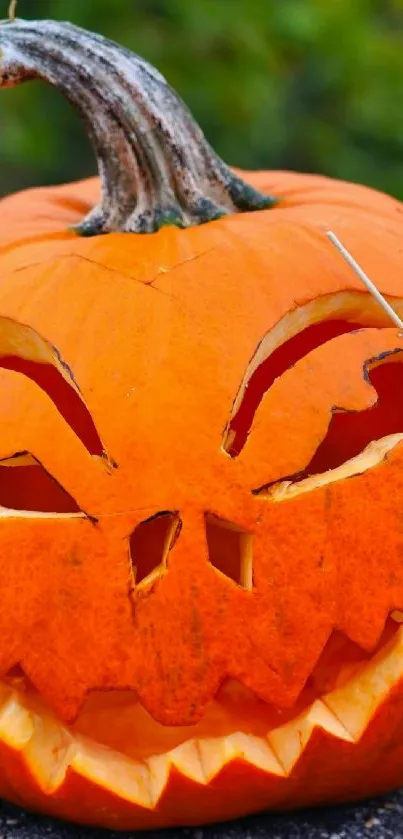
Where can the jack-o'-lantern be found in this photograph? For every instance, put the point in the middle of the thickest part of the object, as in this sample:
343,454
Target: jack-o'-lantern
201,471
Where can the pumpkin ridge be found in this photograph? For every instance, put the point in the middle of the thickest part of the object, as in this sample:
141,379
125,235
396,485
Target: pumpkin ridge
30,240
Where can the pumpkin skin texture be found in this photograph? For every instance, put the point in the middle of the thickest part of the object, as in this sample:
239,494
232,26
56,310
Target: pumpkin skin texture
201,463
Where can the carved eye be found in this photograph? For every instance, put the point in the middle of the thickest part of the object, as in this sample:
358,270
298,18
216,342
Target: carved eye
298,334
25,484
355,440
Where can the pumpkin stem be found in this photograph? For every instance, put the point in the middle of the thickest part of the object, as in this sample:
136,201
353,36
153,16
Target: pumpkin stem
155,165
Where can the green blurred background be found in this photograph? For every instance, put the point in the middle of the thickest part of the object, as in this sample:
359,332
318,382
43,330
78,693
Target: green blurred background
312,85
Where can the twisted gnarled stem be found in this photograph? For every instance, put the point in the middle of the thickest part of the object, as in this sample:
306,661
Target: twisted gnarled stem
155,165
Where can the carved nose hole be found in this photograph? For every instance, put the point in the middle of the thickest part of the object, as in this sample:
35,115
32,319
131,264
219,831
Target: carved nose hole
150,544
230,550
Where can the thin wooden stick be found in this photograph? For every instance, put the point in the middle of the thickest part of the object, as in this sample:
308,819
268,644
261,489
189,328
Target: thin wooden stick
365,279
12,10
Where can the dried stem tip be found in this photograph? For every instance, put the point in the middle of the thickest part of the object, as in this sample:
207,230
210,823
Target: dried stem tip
155,165
370,286
12,9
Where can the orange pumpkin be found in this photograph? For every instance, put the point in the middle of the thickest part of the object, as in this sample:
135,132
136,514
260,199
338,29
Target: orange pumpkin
201,470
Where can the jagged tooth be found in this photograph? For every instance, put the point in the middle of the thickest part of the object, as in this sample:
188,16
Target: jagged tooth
218,752
50,752
322,717
126,778
159,769
45,745
289,740
16,722
186,758
257,752
356,703
215,753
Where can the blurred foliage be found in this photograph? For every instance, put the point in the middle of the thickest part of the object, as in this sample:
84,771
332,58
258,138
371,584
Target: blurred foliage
312,85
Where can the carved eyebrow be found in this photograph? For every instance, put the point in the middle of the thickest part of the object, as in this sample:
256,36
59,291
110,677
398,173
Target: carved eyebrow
304,329
24,351
295,336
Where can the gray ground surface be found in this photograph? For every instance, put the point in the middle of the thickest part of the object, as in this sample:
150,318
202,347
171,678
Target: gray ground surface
382,819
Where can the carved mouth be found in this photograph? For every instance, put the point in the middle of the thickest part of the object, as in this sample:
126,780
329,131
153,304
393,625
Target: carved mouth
118,750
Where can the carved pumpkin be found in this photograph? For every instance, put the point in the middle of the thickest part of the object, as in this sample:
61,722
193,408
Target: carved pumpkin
201,472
